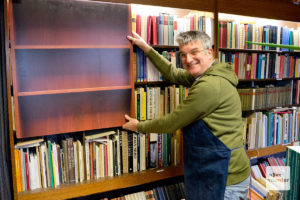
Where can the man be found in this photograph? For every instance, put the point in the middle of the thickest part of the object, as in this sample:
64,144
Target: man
214,157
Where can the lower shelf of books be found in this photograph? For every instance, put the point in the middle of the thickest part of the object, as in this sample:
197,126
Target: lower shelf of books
103,185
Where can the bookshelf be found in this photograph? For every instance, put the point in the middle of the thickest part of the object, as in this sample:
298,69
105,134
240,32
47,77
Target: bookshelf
63,65
103,185
37,100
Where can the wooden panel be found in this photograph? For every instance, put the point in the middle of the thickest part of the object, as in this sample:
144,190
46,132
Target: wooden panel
102,185
266,151
59,22
57,69
61,113
186,4
272,9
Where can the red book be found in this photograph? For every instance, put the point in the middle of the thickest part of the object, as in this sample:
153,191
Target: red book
281,67
91,160
262,168
149,29
236,63
192,23
138,24
223,34
27,171
291,67
154,30
246,35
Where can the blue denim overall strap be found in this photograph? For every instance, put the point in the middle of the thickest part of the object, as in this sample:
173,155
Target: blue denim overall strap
206,161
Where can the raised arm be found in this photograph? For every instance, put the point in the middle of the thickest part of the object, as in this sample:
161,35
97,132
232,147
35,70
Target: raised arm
138,41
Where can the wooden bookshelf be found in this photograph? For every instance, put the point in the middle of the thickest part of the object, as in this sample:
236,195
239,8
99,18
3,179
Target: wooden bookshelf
268,150
71,66
67,191
35,37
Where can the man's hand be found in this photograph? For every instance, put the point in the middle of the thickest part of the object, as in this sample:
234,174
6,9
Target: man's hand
131,124
137,40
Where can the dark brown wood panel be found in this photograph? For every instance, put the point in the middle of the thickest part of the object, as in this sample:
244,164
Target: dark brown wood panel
58,69
272,9
56,22
185,4
62,113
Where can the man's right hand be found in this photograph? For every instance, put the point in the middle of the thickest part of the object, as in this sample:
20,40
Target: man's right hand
137,40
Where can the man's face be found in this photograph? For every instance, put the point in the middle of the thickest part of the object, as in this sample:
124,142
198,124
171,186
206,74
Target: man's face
194,58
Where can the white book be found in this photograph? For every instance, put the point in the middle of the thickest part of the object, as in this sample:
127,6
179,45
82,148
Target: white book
142,151
102,158
134,146
55,164
110,157
80,161
43,166
75,161
32,176
97,160
87,160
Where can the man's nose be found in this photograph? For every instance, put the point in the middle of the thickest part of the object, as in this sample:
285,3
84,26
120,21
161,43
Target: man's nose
189,58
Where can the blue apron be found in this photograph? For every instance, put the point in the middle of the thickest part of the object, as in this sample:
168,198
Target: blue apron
206,161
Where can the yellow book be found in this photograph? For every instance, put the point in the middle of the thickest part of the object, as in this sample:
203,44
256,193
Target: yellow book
133,20
18,170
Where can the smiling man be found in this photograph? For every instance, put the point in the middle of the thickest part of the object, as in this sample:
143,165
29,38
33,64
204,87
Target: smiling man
216,165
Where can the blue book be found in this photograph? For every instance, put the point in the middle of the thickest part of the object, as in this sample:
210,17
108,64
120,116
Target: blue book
285,37
290,127
138,65
270,128
160,29
259,66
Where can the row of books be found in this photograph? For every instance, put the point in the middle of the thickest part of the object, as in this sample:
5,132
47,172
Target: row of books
174,191
280,126
153,102
260,65
166,192
266,97
146,71
234,34
258,186
275,177
54,160
163,29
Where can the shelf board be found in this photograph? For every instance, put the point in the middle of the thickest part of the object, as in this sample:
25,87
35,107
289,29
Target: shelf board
165,46
271,108
66,91
268,79
268,150
160,83
256,51
107,184
72,46
240,80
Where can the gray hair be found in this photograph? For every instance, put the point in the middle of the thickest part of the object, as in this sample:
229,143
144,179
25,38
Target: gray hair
192,36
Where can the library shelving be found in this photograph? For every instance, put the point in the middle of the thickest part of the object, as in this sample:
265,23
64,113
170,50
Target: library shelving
56,50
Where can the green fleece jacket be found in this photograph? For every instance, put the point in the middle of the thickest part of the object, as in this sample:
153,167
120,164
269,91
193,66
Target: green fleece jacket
212,98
